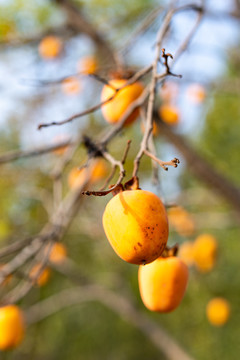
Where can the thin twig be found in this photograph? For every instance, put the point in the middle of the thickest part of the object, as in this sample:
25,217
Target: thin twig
162,163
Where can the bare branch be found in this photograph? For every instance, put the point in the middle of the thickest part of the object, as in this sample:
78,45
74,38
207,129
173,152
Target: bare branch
162,163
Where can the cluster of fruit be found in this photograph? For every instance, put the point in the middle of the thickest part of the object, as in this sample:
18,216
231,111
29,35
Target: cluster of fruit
201,253
51,47
12,324
136,225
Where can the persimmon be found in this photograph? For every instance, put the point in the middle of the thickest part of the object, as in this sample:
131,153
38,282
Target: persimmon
87,65
57,253
162,284
50,47
42,278
181,220
205,251
196,93
11,327
136,225
97,171
186,253
218,311
71,86
169,114
115,108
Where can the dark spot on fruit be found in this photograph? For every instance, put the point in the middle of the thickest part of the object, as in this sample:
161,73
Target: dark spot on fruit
139,244
144,262
148,227
135,248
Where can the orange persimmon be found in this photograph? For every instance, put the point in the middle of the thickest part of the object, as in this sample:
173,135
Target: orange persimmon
162,283
50,47
71,86
42,278
218,311
181,220
11,327
186,253
87,65
115,108
169,114
205,252
57,253
97,171
136,225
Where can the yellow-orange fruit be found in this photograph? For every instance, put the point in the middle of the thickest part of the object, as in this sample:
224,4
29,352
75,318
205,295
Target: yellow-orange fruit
87,65
136,225
71,86
218,311
97,171
11,327
58,253
205,251
162,283
114,109
169,114
196,93
44,276
50,47
181,220
186,253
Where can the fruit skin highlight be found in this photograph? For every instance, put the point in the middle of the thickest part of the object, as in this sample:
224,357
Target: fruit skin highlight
162,284
11,327
114,109
218,311
136,225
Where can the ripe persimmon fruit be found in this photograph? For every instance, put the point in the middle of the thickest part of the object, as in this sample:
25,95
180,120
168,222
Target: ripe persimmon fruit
181,220
162,283
71,86
87,65
115,108
136,225
186,252
57,253
42,278
205,252
11,327
98,169
169,114
50,47
218,311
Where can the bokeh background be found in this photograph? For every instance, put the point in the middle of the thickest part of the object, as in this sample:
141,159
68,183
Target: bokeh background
31,93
